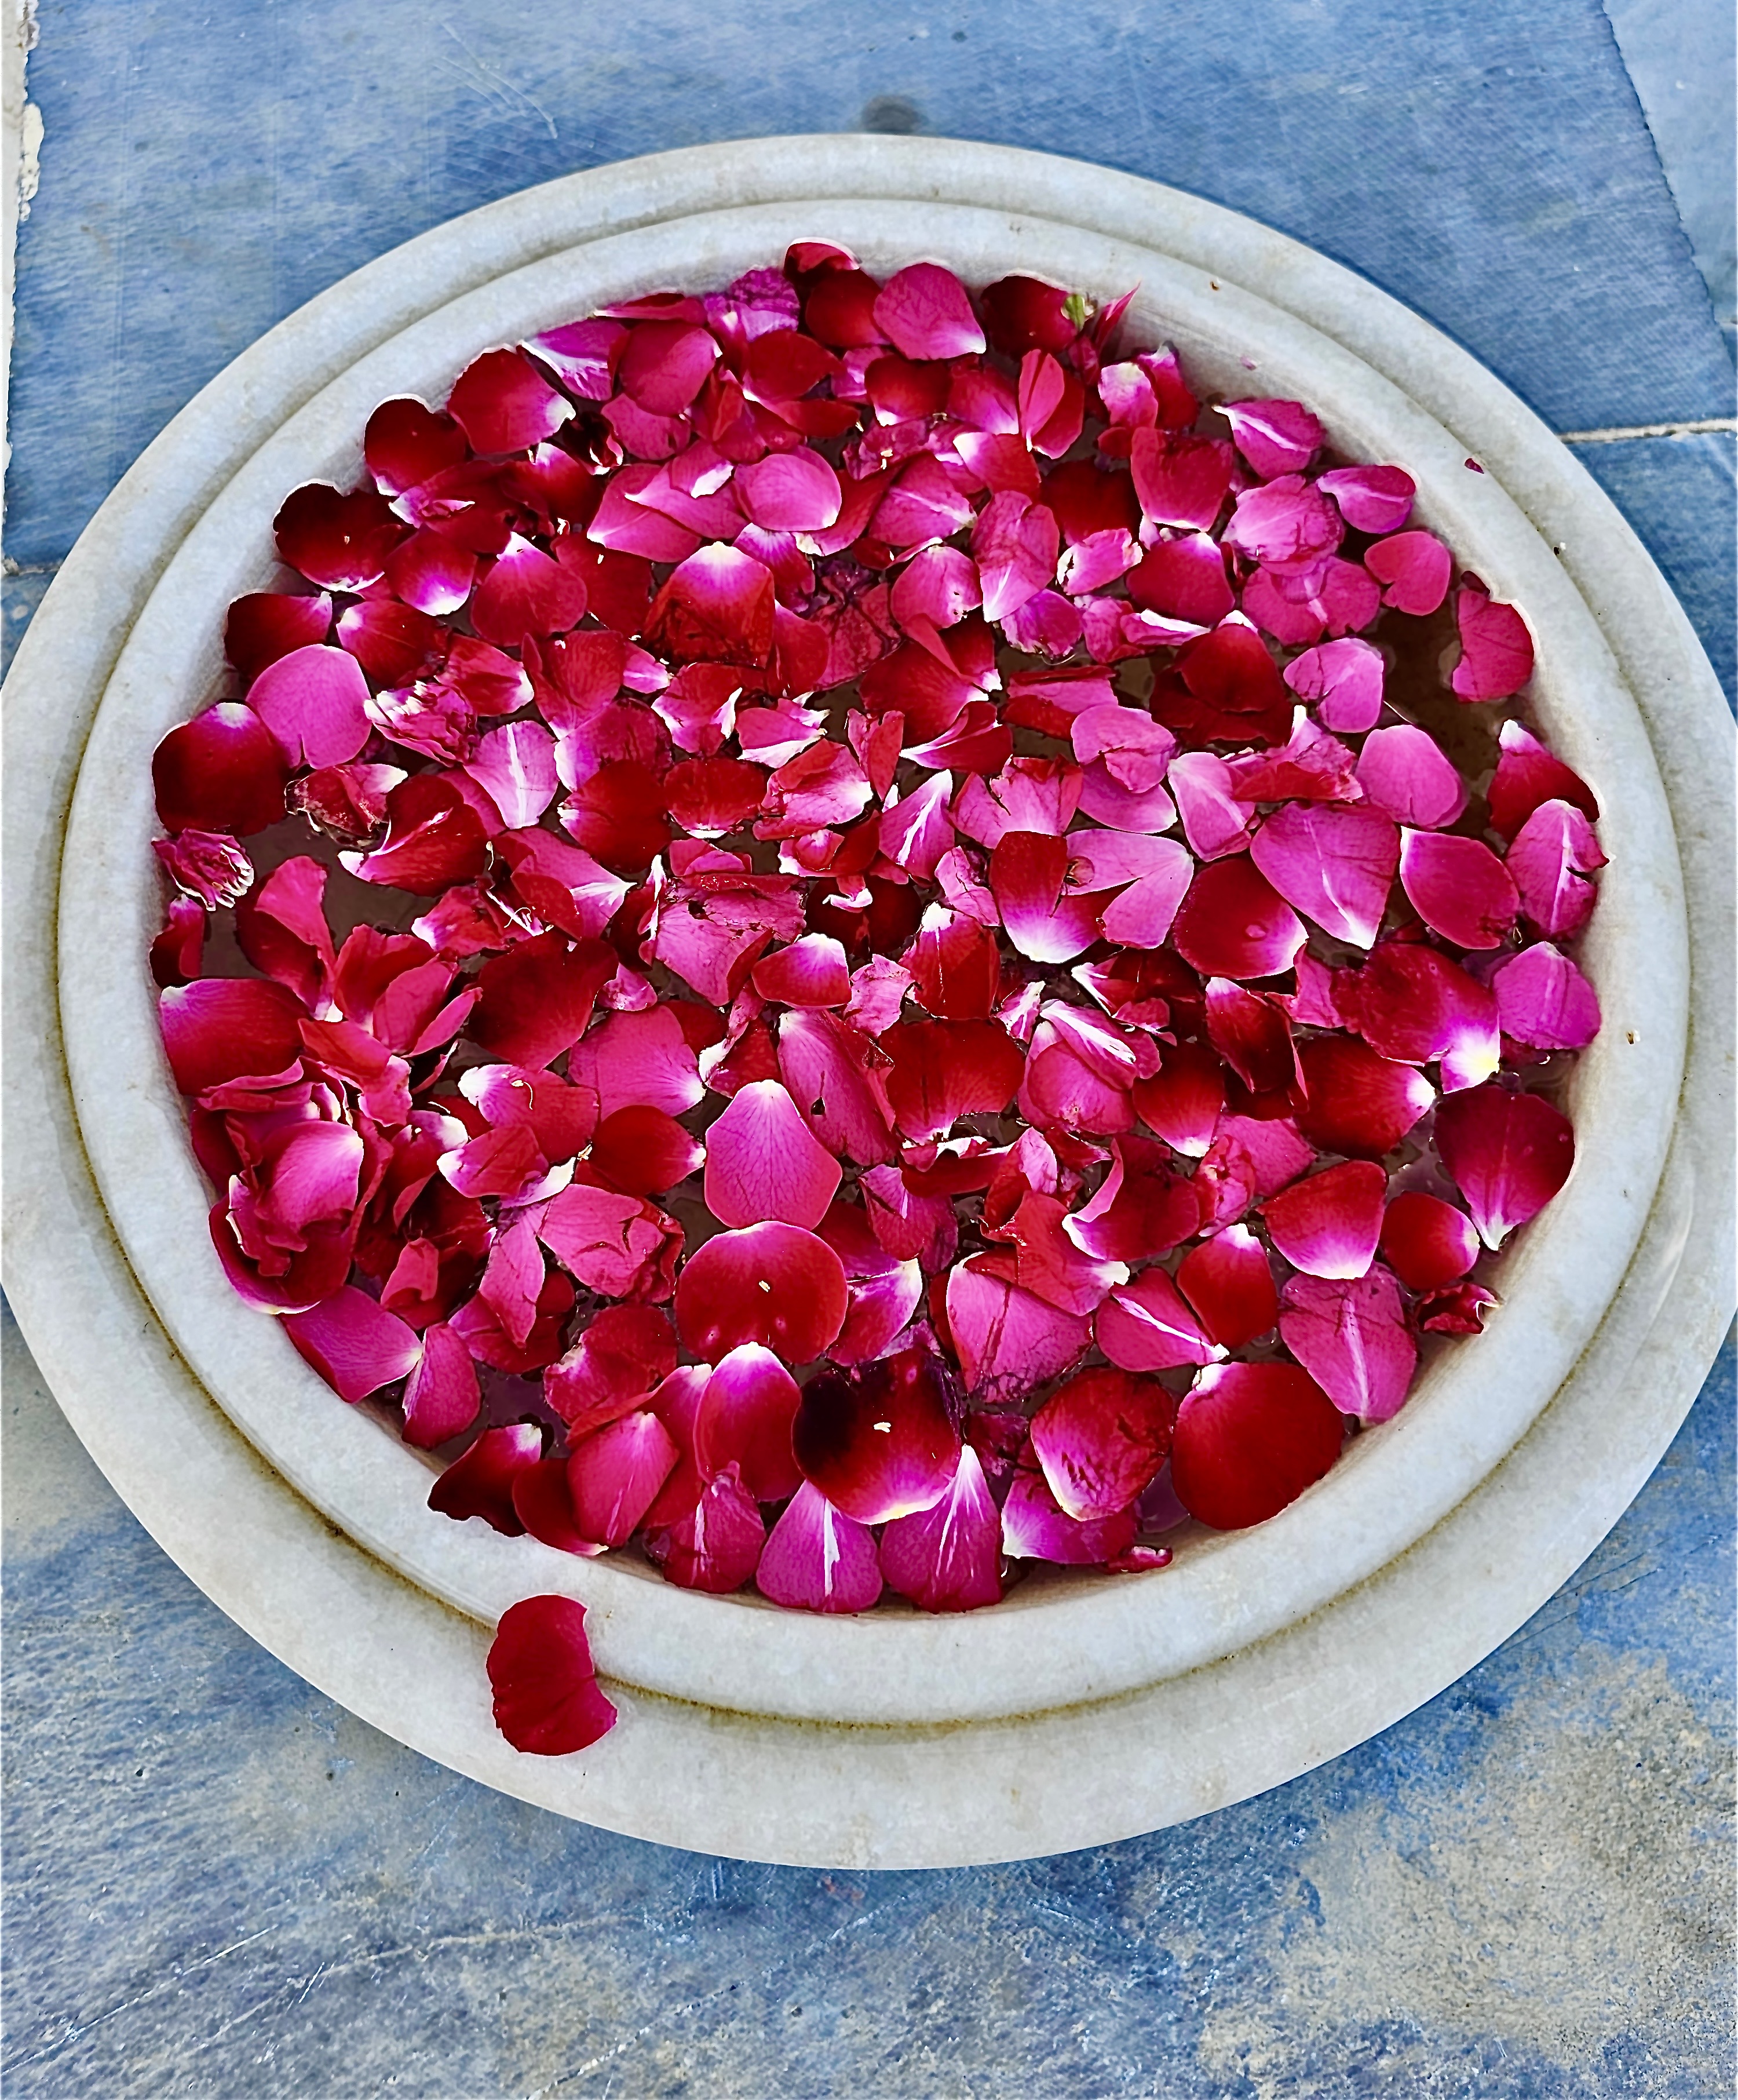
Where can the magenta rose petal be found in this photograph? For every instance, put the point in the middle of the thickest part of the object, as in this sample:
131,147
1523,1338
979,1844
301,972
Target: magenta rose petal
542,1504
1329,1224
948,1558
1458,888
1496,648
265,625
547,1701
1034,1527
924,311
789,492
615,1474
817,1558
1275,437
638,1060
1544,1001
1527,776
312,701
1357,1103
224,771
1459,1309
441,1393
1413,570
1509,1154
525,592
1234,924
354,1343
717,1545
763,1162
1371,499
776,1285
1146,1325
1343,680
1228,1281
503,403
1100,1439
1554,854
745,1419
479,1482
1405,774
717,607
1350,1336
1215,822
1427,1242
621,1246
1249,1438
1008,1340
1335,865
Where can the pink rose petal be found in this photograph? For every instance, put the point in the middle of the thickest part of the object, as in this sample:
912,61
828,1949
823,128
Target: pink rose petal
1458,888
615,1474
1343,680
1405,774
1413,570
1275,437
1496,648
1554,854
1100,1439
1329,1224
1544,1001
947,1558
1509,1154
1351,1337
311,700
924,311
1427,1242
763,1162
819,1560
1336,865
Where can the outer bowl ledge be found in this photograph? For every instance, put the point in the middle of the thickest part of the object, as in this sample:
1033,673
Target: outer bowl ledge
896,1739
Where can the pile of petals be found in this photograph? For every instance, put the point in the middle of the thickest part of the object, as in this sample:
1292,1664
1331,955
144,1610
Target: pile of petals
820,937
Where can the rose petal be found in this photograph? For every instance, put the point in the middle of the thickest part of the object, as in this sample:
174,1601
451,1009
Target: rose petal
1229,1282
1234,924
1509,1154
1405,774
772,1284
224,771
1329,1224
1458,888
1496,648
1427,1242
547,1701
1100,1439
924,311
1146,1326
614,1476
819,1560
1275,437
1554,853
504,404
947,1558
1413,570
745,1419
1336,865
1036,1527
1343,680
1544,1001
479,1482
763,1162
1350,1336
311,700
1250,1438
717,1545
1357,1103
1527,776
1006,1340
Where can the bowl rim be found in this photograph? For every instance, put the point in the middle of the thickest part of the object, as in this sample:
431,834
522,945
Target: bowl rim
707,176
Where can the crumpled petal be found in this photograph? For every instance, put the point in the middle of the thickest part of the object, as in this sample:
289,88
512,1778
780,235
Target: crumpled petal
717,1545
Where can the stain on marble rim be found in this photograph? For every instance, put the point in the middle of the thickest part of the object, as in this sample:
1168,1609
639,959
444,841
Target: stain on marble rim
1047,1659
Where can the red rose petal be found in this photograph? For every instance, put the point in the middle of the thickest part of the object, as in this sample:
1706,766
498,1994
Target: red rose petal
547,1701
1427,1242
717,1545
224,771
504,404
745,1419
1229,1282
1527,775
441,1394
772,1284
1146,1326
1234,924
479,1482
1329,1224
615,1474
1357,1102
1249,1439
1100,1439
266,625
1036,1527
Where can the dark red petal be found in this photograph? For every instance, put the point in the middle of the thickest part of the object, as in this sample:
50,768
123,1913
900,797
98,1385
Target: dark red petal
1411,1003
615,1474
879,1441
433,839
267,625
819,1559
1428,1244
538,997
944,1070
1527,776
541,1503
229,1028
341,541
1100,1439
546,1685
1350,1335
1229,1282
479,1482
224,771
643,1152
717,606
772,1284
1184,1100
1234,924
947,1558
1357,1103
1250,1438
1509,1154
406,441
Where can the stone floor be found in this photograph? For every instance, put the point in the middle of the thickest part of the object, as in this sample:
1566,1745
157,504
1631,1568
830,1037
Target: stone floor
217,1883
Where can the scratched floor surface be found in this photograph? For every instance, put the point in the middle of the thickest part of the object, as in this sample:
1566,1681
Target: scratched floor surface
218,1884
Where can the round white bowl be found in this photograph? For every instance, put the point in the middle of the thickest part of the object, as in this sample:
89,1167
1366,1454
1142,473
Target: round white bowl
1083,1708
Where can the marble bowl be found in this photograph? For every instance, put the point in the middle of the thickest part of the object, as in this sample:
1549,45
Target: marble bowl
1084,1708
